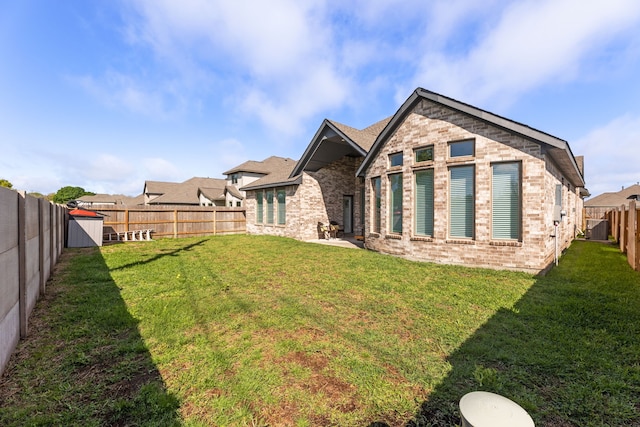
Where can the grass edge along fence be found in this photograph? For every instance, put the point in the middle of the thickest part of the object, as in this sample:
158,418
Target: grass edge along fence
169,221
625,230
32,235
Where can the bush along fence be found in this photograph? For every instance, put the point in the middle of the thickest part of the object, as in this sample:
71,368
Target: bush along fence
625,230
166,221
32,235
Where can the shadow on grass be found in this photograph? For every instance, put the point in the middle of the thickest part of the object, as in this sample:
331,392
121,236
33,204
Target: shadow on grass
84,362
174,252
567,352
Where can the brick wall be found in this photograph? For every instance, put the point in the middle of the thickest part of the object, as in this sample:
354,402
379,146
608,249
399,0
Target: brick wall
432,124
318,199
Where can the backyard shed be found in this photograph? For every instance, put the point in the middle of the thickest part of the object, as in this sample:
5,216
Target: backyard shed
85,229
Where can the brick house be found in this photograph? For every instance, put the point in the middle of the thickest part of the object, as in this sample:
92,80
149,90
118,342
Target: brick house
450,183
321,187
439,181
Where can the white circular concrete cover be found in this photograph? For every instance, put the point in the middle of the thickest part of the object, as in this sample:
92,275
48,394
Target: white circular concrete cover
484,409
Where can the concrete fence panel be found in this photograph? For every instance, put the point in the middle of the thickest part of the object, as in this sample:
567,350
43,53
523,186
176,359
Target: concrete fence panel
9,275
31,241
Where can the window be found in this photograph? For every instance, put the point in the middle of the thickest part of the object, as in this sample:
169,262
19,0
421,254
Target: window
461,201
259,209
395,159
424,154
424,202
238,203
505,201
282,207
377,195
462,148
234,178
395,184
269,206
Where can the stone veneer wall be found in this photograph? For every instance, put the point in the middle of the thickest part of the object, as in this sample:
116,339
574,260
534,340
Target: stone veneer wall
432,124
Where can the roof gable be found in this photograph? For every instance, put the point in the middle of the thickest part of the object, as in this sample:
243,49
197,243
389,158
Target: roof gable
333,141
557,148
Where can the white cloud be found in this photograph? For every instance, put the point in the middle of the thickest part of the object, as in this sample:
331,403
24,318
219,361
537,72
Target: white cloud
280,55
611,154
533,43
117,90
158,169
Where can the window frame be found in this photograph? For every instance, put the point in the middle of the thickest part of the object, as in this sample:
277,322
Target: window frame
514,220
395,203
469,223
397,155
420,149
270,207
259,207
452,144
428,221
376,191
282,207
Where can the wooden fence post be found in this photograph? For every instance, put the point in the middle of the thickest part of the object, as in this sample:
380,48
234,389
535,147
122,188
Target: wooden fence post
632,228
215,215
623,229
175,224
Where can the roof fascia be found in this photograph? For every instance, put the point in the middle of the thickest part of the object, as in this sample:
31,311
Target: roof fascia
296,181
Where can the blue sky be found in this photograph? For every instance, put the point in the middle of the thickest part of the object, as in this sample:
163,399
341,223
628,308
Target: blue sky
106,94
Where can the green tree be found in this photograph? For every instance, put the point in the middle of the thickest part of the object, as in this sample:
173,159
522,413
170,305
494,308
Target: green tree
68,193
5,183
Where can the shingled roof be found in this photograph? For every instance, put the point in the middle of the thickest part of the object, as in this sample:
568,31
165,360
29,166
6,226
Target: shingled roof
614,199
185,193
277,178
266,166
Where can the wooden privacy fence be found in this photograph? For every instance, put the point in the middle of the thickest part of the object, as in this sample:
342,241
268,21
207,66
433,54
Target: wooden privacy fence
625,229
32,233
174,222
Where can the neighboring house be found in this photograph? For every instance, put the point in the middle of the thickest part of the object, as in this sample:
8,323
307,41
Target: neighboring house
596,207
109,200
251,171
193,192
440,181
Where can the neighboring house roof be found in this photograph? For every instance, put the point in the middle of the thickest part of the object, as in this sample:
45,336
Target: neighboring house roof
265,166
158,187
212,193
614,199
276,178
111,199
557,148
335,140
185,193
231,189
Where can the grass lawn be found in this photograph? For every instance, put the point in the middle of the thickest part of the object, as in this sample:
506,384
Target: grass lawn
265,331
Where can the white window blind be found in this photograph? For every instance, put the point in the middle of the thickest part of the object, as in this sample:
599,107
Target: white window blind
506,209
282,207
395,183
259,207
461,201
424,202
